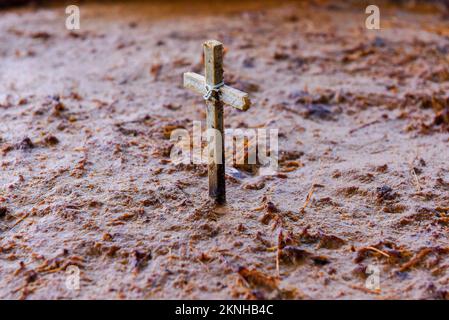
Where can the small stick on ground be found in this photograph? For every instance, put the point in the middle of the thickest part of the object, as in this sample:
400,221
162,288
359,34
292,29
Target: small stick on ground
366,290
416,259
21,219
278,253
415,177
311,190
378,251
363,126
309,196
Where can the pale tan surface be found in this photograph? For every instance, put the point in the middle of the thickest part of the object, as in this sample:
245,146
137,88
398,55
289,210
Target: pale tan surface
107,188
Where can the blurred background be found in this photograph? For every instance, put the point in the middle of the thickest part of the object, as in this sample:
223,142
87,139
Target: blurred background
10,3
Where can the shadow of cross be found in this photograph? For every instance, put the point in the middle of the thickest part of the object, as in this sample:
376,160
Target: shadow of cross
216,94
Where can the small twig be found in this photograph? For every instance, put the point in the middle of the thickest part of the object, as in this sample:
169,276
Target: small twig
20,220
311,190
417,184
413,172
278,253
378,251
309,196
366,290
260,208
416,259
363,126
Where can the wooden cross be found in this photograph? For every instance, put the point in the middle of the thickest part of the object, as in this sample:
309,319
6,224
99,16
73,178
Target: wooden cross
216,95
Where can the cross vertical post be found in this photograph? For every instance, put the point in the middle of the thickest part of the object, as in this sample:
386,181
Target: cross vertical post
213,58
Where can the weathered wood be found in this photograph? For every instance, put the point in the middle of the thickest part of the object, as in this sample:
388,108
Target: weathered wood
215,99
213,57
228,95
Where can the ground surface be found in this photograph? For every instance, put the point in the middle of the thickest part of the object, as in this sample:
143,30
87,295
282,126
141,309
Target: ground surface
86,179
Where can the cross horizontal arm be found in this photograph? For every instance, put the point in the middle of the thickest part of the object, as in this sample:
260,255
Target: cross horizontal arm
228,95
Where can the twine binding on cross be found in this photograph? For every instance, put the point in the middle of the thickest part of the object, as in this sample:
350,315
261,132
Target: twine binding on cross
210,89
